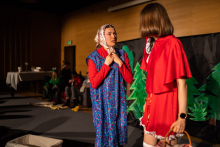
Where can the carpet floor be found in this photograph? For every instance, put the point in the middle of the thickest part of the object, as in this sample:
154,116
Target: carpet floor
18,118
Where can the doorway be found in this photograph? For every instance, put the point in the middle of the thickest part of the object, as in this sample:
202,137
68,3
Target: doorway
70,55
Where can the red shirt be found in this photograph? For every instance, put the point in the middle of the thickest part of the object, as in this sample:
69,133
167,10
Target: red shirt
97,77
77,82
166,63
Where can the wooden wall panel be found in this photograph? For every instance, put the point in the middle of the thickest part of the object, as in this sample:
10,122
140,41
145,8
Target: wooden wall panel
180,13
188,17
68,27
206,16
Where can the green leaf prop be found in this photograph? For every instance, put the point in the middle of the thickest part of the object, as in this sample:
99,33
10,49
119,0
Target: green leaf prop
199,112
211,93
139,92
130,56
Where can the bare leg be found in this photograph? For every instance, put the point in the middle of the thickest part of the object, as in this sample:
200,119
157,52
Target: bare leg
150,139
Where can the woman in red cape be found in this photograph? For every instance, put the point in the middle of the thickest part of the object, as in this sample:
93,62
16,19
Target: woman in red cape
167,70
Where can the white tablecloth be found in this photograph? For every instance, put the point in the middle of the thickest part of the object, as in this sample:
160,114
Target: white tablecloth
14,78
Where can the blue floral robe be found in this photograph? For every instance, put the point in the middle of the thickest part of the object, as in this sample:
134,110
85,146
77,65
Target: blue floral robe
109,105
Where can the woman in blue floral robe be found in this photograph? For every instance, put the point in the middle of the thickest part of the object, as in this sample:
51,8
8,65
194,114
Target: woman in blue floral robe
108,68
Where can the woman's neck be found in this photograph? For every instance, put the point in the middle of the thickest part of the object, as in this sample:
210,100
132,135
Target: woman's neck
105,48
155,38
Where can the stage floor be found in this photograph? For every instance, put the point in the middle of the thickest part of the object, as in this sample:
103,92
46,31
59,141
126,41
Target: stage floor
18,118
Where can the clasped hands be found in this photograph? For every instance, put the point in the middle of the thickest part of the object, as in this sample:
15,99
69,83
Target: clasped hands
71,80
113,57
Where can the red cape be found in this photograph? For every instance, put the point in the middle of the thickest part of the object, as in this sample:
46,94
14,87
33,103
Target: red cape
166,63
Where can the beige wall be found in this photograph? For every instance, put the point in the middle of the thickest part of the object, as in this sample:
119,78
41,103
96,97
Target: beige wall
189,17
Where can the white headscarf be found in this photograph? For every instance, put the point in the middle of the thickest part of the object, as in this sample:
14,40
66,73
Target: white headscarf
100,39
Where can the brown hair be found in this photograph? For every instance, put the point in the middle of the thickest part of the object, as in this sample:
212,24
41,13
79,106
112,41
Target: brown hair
110,26
155,21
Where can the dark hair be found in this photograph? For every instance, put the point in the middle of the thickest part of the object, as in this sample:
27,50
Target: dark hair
65,62
74,73
155,21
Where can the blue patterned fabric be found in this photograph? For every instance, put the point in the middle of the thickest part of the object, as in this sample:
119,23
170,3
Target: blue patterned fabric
109,105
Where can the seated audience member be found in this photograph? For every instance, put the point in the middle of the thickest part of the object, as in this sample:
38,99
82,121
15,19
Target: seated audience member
46,86
86,83
76,83
65,76
53,84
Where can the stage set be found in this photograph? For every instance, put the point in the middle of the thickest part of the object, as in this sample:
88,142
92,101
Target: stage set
76,129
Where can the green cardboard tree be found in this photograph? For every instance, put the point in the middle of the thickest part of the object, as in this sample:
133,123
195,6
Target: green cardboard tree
139,92
130,56
131,61
211,93
199,111
192,91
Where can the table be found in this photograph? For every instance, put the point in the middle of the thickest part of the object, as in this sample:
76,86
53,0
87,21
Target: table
13,78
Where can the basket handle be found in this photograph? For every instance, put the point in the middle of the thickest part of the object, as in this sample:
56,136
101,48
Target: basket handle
164,143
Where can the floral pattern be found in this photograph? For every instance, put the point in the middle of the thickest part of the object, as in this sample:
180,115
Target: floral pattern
109,105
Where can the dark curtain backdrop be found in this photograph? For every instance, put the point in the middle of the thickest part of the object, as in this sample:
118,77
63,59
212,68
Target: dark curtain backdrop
15,41
203,53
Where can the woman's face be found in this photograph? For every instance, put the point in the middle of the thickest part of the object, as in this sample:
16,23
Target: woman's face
110,37
73,76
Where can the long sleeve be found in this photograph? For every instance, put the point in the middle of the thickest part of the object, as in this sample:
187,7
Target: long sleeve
125,70
97,77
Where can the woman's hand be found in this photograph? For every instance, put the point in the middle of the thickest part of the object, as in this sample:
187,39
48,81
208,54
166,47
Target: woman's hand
117,59
71,80
179,125
108,60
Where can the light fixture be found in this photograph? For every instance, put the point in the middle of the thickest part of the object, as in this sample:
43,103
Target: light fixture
128,4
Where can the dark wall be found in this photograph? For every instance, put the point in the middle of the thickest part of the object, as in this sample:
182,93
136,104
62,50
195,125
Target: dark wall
28,36
46,40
